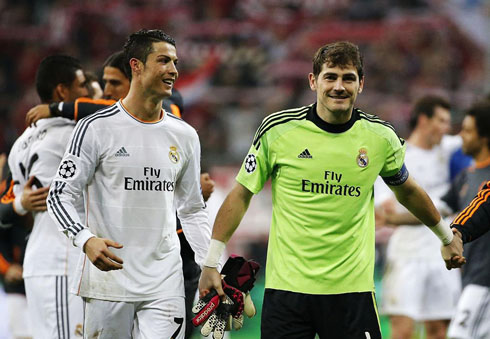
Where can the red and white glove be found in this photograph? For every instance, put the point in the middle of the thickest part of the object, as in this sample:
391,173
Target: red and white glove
238,277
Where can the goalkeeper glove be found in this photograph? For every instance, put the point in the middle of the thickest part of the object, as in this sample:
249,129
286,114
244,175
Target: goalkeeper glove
238,276
241,273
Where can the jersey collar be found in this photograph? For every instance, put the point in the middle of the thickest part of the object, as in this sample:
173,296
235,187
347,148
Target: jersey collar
332,128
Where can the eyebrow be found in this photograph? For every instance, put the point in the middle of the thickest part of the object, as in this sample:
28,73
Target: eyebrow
166,56
342,75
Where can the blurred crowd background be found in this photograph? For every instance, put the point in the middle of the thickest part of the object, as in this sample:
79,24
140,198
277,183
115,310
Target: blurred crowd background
240,60
243,59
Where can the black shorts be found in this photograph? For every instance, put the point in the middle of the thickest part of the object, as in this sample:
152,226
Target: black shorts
338,316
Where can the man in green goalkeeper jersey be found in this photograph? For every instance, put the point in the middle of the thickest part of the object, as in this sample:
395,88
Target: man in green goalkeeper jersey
322,160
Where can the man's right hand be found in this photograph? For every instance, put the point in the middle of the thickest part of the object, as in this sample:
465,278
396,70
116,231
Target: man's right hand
97,250
210,280
453,252
34,200
36,113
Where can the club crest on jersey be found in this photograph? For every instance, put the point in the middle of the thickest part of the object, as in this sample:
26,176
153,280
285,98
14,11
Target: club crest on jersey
250,163
362,158
173,155
67,169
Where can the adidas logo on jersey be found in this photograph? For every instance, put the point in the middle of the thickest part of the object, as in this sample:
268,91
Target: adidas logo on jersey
305,154
122,153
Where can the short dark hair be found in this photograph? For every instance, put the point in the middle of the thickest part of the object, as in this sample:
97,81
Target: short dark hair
140,44
54,70
481,112
426,106
340,53
116,60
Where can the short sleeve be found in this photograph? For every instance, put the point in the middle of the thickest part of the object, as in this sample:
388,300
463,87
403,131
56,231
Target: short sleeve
257,166
395,155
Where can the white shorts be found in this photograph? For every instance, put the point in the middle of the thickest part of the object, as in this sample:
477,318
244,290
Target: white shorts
53,312
161,318
420,289
472,318
18,318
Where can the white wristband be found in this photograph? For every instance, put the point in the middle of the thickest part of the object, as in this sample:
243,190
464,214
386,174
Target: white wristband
216,249
443,232
17,205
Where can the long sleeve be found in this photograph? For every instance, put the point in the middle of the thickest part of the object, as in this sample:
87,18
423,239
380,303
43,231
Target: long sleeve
75,171
191,207
83,107
474,220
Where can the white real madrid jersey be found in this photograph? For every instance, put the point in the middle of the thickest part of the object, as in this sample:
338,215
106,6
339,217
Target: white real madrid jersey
133,176
38,152
430,169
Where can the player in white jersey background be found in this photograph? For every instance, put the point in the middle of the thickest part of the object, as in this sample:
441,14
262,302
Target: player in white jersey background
34,159
134,164
417,286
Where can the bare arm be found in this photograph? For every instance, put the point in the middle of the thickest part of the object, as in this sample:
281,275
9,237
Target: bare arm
231,212
416,200
229,216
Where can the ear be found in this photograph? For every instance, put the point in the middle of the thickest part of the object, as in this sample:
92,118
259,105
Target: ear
422,119
136,65
361,85
312,81
60,92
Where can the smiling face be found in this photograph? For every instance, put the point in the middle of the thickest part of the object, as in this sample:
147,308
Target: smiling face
336,88
157,76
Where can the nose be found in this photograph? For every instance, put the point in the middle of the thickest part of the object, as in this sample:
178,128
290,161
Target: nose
339,85
173,70
107,91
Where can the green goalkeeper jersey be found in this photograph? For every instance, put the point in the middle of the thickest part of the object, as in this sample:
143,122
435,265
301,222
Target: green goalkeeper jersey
322,231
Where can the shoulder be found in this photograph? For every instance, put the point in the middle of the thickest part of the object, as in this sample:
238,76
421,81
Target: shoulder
23,142
54,127
451,143
378,126
374,121
180,125
285,118
23,137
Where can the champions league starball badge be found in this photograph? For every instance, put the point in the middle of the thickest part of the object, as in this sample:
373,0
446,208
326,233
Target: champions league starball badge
250,163
362,158
67,169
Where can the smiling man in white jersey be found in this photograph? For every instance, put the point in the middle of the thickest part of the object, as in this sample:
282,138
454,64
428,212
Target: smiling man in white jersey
50,259
134,164
417,285
323,160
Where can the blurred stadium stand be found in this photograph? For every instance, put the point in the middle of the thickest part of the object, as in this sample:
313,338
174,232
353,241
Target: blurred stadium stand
241,60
